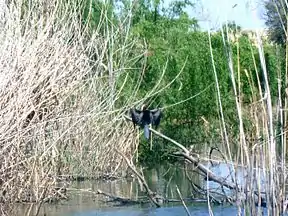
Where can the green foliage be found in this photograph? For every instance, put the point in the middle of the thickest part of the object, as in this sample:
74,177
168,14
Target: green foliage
176,39
96,15
172,41
275,16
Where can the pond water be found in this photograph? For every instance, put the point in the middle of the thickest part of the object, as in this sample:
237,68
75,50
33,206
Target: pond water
163,180
166,210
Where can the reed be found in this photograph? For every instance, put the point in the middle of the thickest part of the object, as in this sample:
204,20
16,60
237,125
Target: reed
260,148
60,84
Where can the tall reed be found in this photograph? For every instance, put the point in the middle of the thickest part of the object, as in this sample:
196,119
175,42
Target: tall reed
61,77
262,146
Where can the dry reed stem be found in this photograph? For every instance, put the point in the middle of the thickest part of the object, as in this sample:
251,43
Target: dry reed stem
58,93
266,167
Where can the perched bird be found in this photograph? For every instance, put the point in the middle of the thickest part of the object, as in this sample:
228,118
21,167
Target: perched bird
146,117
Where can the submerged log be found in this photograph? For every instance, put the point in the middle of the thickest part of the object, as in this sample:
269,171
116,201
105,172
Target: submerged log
129,201
122,200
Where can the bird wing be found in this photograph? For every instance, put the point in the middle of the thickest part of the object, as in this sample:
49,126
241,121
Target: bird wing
156,116
136,116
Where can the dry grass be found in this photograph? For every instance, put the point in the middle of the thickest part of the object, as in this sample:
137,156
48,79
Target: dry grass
59,88
58,99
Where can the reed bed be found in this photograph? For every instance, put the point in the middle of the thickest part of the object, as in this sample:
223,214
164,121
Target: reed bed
61,115
261,144
59,98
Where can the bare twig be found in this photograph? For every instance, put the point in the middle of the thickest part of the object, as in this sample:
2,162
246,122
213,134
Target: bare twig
183,203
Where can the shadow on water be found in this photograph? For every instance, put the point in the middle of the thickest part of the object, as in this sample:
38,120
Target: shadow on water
161,179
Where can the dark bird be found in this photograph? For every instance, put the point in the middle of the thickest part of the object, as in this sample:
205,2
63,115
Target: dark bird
145,117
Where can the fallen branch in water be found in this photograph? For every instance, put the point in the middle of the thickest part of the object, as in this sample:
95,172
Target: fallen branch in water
186,154
129,201
156,199
195,160
122,200
210,175
203,192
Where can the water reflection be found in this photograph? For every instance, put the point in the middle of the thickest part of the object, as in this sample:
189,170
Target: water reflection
161,179
239,175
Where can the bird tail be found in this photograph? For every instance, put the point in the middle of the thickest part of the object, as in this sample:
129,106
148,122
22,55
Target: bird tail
146,131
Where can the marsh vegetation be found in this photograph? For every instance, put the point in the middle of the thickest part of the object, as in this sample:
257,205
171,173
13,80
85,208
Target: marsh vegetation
70,70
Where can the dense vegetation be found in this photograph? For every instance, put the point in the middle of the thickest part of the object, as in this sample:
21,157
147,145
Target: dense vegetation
71,69
174,41
276,20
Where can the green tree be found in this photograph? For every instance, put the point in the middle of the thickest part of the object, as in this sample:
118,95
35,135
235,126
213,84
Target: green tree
275,19
167,35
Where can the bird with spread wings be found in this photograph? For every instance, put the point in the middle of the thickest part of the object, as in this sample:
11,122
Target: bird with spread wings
145,117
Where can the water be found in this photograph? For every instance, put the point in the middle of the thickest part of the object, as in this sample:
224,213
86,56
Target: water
166,210
88,209
163,180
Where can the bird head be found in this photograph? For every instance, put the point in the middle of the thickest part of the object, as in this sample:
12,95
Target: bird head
144,107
